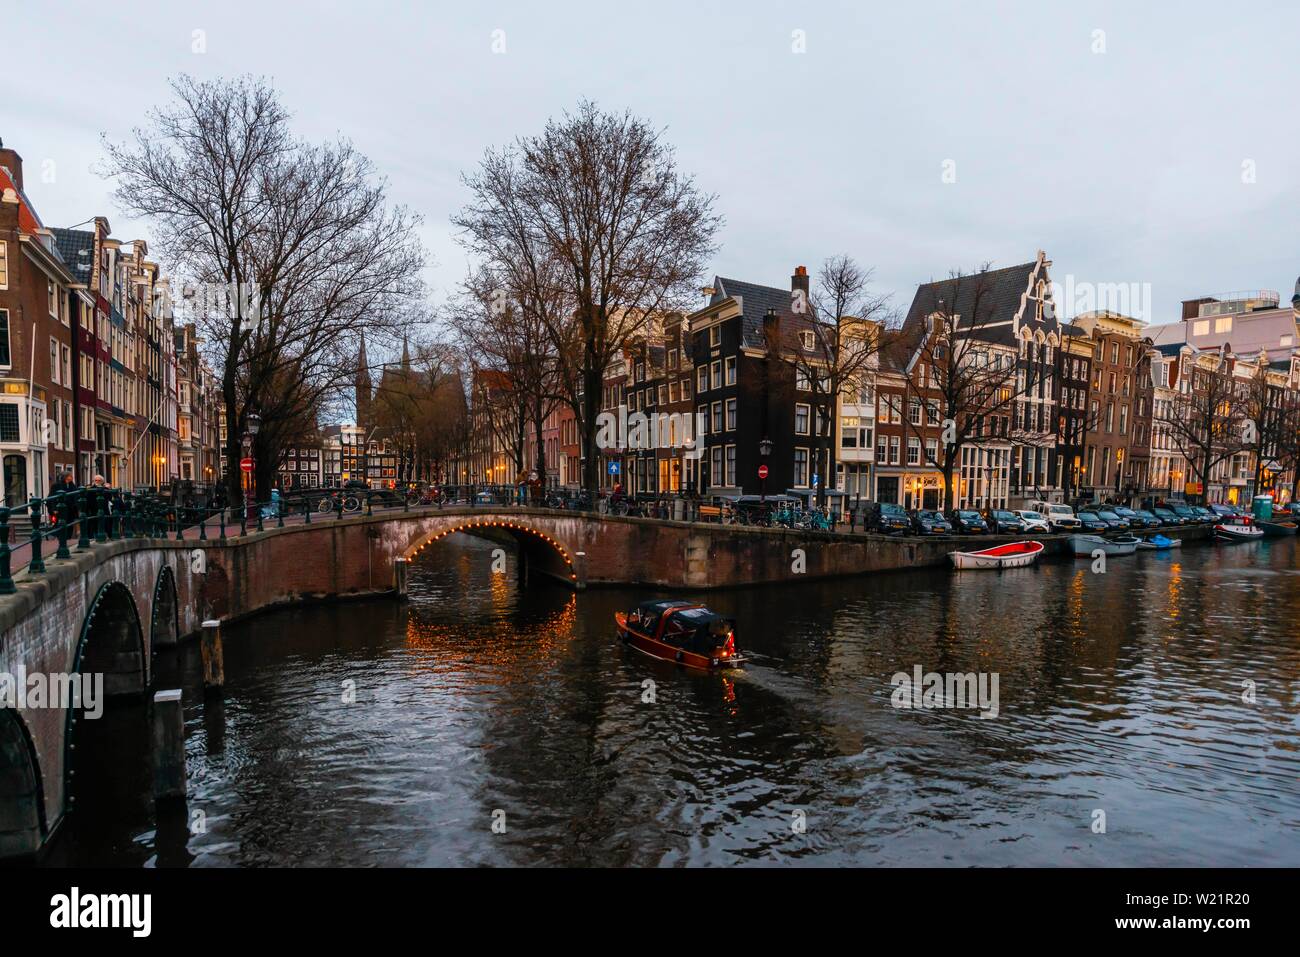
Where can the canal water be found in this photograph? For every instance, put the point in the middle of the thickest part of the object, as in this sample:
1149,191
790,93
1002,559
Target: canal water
1147,715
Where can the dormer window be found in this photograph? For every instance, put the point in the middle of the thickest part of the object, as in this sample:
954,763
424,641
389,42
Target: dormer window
806,338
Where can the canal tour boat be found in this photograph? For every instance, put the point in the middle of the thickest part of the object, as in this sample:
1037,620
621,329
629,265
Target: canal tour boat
680,631
1011,555
1237,528
1085,545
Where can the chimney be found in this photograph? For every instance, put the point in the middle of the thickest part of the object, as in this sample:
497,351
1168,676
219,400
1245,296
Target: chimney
800,279
771,328
13,162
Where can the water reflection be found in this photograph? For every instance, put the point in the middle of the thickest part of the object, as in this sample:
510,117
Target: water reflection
383,733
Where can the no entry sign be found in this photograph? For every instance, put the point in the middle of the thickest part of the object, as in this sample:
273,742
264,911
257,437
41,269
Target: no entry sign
762,471
246,464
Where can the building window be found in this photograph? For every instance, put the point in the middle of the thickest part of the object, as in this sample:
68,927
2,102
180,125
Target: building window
715,336
802,413
702,379
801,468
806,338
731,465
913,450
9,431
731,370
731,415
4,265
717,374
4,338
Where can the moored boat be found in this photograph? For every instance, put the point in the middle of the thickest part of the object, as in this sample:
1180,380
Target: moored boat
1237,529
1085,545
1276,529
681,631
1010,555
1158,543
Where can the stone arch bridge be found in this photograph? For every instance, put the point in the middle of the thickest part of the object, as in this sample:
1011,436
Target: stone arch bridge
107,609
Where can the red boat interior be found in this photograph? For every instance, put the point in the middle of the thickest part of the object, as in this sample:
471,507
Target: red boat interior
1012,548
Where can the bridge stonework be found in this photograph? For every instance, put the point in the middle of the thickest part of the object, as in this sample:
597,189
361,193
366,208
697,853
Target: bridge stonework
109,608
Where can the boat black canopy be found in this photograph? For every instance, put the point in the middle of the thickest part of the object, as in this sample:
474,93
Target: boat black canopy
698,629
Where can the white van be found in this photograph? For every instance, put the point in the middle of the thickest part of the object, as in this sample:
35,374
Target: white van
1059,517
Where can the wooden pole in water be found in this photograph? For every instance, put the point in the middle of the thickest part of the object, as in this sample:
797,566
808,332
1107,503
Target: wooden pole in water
169,781
399,577
214,664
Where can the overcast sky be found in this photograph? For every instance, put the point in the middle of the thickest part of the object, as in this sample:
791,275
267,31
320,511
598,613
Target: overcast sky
1150,143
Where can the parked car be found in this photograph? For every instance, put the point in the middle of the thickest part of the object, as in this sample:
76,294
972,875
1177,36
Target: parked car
1151,519
1185,515
886,518
1134,519
967,521
1035,521
1166,515
1060,518
1206,516
1004,522
1091,522
1225,511
927,521
1112,520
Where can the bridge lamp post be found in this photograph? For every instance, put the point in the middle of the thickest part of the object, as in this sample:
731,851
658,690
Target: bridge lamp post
764,450
252,425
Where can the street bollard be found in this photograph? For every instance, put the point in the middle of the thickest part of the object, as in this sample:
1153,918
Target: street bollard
61,531
214,664
101,519
169,780
83,529
36,565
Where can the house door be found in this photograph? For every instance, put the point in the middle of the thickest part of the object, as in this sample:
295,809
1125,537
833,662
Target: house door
15,480
887,489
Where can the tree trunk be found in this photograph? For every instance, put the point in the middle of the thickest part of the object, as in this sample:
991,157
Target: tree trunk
591,383
234,447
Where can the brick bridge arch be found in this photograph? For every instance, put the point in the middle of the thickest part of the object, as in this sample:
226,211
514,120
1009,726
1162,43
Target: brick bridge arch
539,547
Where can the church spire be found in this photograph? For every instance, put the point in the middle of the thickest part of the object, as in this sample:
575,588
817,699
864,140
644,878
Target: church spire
406,355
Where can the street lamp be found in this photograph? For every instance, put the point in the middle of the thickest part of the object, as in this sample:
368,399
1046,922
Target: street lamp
252,424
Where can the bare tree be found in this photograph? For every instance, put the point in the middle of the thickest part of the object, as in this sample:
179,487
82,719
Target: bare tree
502,326
593,215
837,347
949,355
301,236
1207,417
419,407
1271,420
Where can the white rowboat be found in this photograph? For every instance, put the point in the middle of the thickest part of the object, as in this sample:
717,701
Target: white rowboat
1011,555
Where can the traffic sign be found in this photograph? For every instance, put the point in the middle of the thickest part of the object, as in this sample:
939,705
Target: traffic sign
246,464
613,468
762,471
